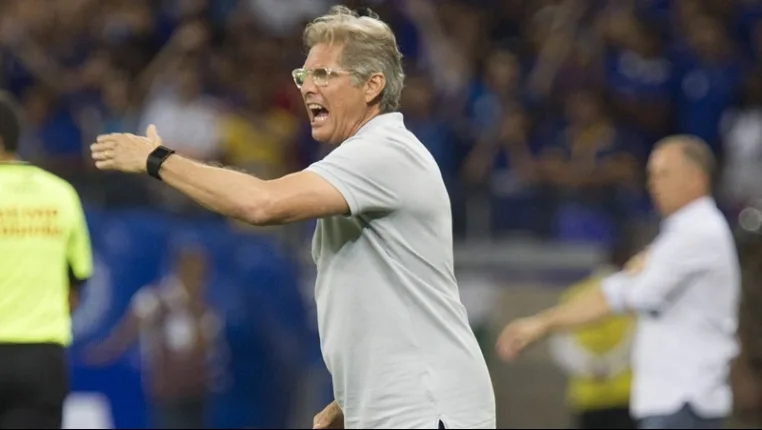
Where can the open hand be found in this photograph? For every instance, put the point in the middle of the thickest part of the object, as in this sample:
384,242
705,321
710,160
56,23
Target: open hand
518,335
125,152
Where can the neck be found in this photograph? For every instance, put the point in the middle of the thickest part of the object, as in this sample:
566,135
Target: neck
689,201
369,115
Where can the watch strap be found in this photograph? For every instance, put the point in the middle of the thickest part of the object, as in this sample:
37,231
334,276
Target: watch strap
156,158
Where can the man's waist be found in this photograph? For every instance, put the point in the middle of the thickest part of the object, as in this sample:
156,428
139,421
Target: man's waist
662,393
27,330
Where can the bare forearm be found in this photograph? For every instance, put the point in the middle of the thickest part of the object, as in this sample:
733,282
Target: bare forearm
586,309
230,193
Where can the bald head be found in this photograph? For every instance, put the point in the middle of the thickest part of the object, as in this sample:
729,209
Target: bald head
694,152
680,171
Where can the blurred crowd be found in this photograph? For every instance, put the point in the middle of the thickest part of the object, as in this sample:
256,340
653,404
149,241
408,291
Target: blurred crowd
540,113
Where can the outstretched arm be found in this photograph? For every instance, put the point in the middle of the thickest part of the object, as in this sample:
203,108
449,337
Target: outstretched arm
585,309
295,197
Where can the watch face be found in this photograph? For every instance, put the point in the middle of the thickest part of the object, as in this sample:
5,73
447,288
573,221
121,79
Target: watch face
156,159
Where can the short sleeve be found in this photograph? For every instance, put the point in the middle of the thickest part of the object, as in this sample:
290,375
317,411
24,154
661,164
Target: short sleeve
79,253
366,173
613,288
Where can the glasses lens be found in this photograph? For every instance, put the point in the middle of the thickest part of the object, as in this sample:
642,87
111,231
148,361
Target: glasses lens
299,75
320,76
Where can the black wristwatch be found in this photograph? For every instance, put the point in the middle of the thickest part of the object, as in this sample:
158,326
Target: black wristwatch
156,159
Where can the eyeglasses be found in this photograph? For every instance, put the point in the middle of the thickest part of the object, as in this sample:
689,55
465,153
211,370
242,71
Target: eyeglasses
320,76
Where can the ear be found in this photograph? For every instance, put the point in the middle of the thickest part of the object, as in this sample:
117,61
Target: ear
374,87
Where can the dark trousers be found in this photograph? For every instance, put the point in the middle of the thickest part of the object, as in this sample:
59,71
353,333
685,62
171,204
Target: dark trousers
610,418
186,413
34,383
685,418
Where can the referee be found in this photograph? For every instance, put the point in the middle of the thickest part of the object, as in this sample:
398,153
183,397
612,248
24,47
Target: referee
394,333
45,257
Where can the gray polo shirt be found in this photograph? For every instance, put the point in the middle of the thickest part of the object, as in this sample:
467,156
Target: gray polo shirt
393,331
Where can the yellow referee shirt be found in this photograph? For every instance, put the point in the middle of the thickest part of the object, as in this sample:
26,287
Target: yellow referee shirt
43,241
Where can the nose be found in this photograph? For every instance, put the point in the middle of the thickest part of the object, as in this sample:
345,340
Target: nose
309,87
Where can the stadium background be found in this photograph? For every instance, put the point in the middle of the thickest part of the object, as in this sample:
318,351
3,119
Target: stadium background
540,113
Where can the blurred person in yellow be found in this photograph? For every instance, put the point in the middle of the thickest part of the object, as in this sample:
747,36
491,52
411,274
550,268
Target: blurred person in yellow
596,358
45,258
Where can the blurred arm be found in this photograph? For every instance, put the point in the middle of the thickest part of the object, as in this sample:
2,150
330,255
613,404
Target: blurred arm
557,47
587,308
295,197
117,342
451,73
185,39
144,308
675,259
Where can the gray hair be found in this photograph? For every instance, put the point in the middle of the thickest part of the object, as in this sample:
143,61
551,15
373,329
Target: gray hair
369,47
696,151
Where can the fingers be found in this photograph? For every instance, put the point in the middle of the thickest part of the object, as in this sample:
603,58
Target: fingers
122,138
111,137
152,134
105,165
102,153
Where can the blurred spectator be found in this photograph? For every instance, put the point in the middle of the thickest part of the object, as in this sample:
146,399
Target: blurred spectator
639,75
259,135
190,118
747,369
214,76
589,163
504,161
176,330
282,17
742,137
710,75
499,85
54,140
423,117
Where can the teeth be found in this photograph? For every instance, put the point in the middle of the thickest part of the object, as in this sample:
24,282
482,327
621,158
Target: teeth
314,106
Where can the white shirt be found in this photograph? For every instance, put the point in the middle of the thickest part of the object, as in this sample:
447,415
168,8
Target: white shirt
687,300
393,331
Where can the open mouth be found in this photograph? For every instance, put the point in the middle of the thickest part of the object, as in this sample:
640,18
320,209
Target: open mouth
318,112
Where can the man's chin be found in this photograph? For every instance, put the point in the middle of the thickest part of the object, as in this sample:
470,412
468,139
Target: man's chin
322,136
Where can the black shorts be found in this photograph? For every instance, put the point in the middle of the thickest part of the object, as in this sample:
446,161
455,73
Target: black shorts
34,383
